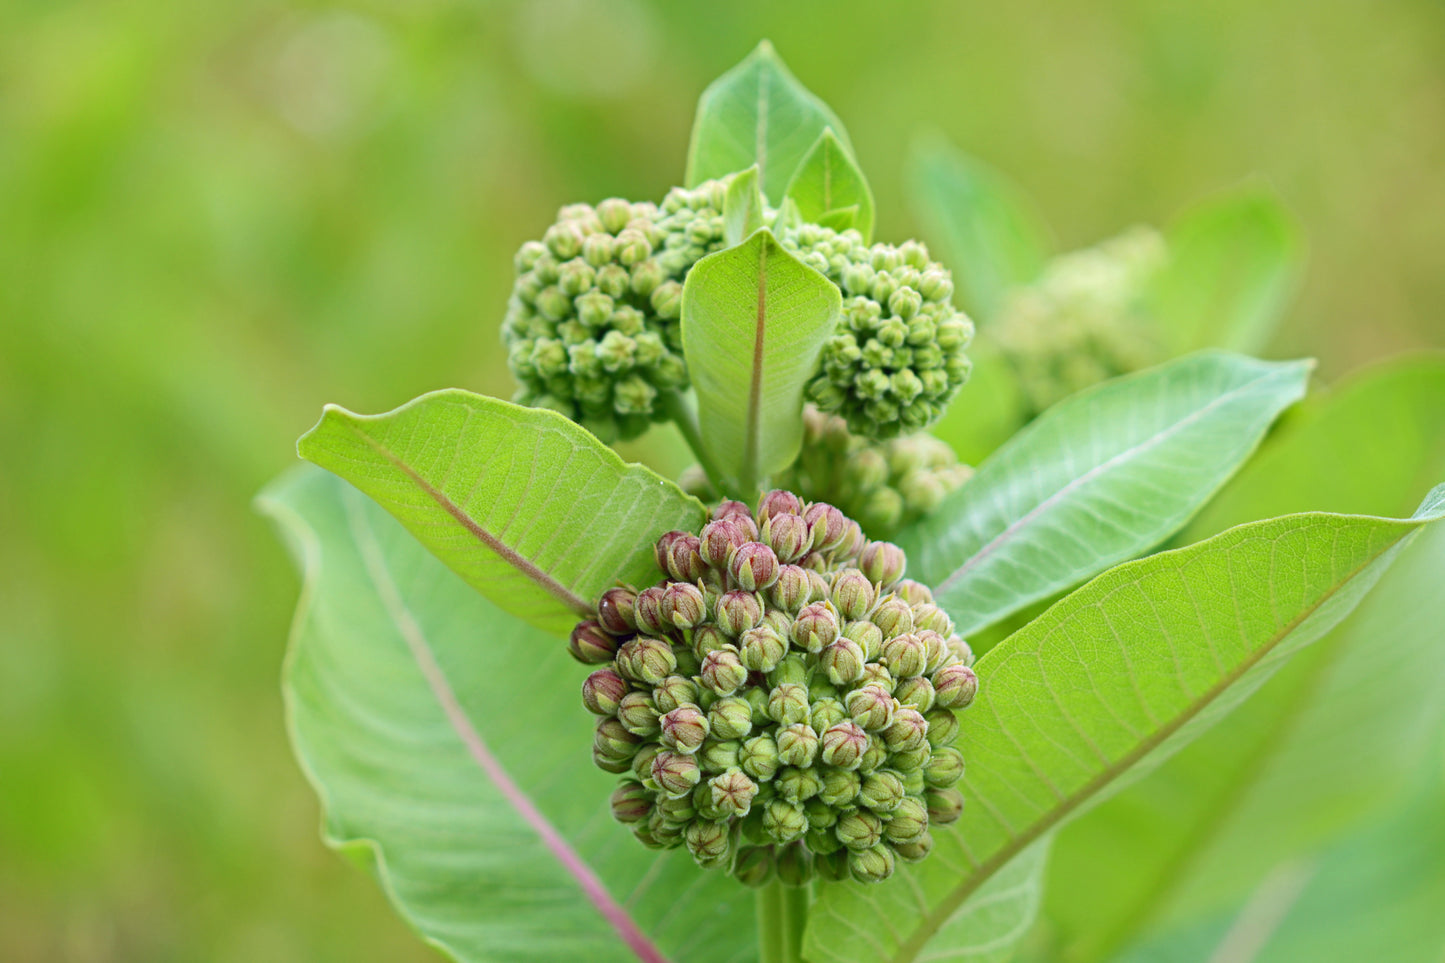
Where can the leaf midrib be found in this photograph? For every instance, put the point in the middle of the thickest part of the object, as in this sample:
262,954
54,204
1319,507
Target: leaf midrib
752,450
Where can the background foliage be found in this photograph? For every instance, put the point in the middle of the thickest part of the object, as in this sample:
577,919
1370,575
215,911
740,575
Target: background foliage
214,218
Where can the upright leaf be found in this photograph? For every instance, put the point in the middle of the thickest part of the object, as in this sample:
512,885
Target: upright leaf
757,113
987,229
449,748
1111,680
742,207
1234,262
829,182
527,507
754,320
1101,477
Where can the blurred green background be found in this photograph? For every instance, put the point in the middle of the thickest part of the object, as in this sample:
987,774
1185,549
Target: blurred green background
216,217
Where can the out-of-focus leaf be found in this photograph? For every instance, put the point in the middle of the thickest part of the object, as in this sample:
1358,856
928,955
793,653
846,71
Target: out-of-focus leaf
742,207
754,320
985,226
1103,476
450,751
757,113
1110,681
829,183
990,408
526,506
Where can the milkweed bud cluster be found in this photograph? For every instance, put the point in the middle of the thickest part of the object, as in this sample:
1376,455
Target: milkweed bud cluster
592,326
883,484
782,702
1082,322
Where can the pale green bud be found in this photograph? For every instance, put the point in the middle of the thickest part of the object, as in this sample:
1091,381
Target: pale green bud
675,773
759,757
909,821
915,691
868,637
904,656
842,661
942,727
602,691
788,704
915,850
674,691
797,744
723,671
646,660
719,755
844,744
909,730
611,740
732,792
784,821
730,718
871,706
795,865
955,685
798,785
893,616
944,806
816,627
631,802
638,714
858,829
852,594
945,768
761,649
684,728
881,791
709,842
827,711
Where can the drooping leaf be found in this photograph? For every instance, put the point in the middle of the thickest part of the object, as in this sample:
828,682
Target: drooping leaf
754,320
1101,477
742,207
829,183
985,227
757,113
450,751
1110,681
1234,262
526,506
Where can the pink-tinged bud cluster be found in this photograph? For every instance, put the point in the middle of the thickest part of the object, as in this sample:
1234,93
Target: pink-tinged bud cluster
782,701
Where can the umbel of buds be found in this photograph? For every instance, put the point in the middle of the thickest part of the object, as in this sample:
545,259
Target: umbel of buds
782,703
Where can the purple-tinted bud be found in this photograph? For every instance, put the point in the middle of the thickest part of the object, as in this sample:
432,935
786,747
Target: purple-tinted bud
817,563
797,744
914,593
795,865
664,546
675,773
647,611
955,686
646,660
842,661
917,849
926,615
720,538
915,691
611,740
945,768
881,792
787,535
732,792
784,821
638,714
909,822
602,690
682,604
759,757
859,829
870,706
938,651
738,611
792,590
852,594
816,627
732,509
868,636
761,649
730,718
684,559
882,562
942,727
826,711
871,865
722,671
797,784
611,764
631,803
944,806
905,656
707,637
777,502
852,542
826,525
909,730
754,866
591,645
893,616
674,691
614,611
684,728
844,744
754,566
788,704
709,842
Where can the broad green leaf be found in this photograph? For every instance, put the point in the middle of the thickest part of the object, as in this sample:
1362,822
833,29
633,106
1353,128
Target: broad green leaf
986,228
1266,784
742,207
1110,681
757,113
829,181
1234,263
527,507
754,320
450,751
1099,478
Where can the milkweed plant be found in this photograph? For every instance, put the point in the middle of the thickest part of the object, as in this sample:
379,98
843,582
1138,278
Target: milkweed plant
836,694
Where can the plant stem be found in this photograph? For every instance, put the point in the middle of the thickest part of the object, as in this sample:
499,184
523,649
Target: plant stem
782,914
685,418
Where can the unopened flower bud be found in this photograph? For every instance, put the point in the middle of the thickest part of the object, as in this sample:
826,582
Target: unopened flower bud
842,661
882,562
754,866
675,773
759,757
909,761
938,650
798,785
684,728
874,757
827,526
720,538
915,850
826,712
914,593
663,546
871,706
730,718
960,650
909,730
792,590
602,690
666,833
788,704
647,611
646,660
682,605
666,301
638,714
793,670
784,821
795,865
614,611
613,741
753,566
787,535
909,821
858,829
844,744
631,803
674,691
944,806
926,615
709,842
915,691
738,611
893,616
955,686
797,744
832,866
612,764
761,649
945,768
881,791
868,636
707,637
942,727
852,594
777,502
877,674
904,656
732,792
684,559
591,645
722,671
815,627
719,755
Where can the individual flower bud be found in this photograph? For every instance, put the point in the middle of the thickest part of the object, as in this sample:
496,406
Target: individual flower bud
874,757
916,691
840,787
675,773
709,842
753,566
893,616
677,810
882,791
754,866
674,691
612,764
602,690
945,768
914,593
868,636
684,728
827,526
638,714
642,764
842,661
720,538
722,671
797,744
666,832
706,638
795,784
631,803
794,865
942,727
909,730
663,546
719,755
613,741
777,620
852,594
844,744
788,704
904,656
832,866
826,712
820,688
614,611
871,707
915,850
646,660
909,821
960,650
876,674
647,611
738,611
683,605
955,686
944,806
872,865
815,627
732,792
778,502
787,535
793,670
590,644
761,649
882,562
759,757
911,760
926,615
792,590
684,559
784,821
938,651
730,718
666,301
858,829
821,817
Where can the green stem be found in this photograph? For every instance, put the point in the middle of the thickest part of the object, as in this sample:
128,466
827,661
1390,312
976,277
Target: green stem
782,914
685,418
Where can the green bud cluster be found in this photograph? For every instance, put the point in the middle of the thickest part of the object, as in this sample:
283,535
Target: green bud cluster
883,484
1082,322
783,702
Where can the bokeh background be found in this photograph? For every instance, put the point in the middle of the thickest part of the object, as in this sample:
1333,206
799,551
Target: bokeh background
216,217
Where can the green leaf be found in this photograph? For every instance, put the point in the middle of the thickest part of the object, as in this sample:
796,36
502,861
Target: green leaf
1234,263
829,183
754,320
988,231
448,746
757,113
992,409
527,507
1111,680
1101,477
742,207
